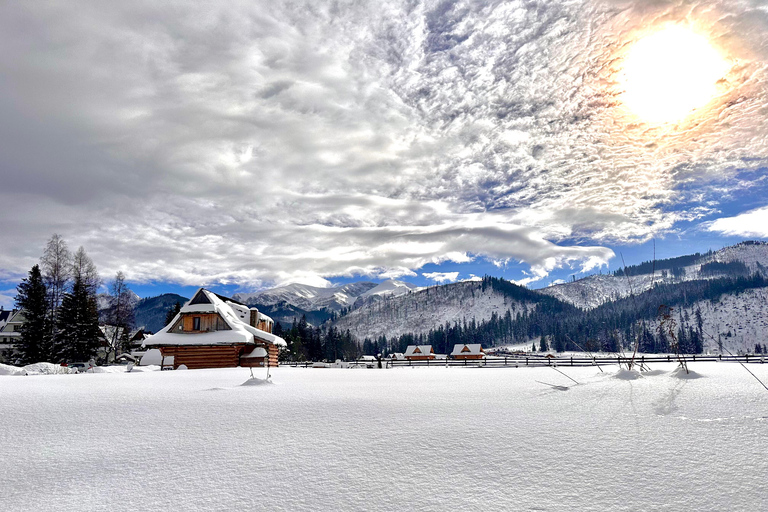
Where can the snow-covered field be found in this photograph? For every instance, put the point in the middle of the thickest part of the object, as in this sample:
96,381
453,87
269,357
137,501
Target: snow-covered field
398,439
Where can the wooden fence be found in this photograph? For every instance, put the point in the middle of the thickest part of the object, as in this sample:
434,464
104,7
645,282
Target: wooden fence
520,361
517,361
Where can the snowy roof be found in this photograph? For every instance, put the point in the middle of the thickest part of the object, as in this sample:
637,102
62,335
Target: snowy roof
471,349
419,350
233,313
16,317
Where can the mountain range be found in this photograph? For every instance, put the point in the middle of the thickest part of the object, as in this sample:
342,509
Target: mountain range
715,285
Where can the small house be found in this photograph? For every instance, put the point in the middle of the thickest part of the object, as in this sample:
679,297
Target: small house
419,352
213,331
468,351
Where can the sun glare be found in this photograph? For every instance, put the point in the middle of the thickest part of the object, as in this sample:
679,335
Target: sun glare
669,74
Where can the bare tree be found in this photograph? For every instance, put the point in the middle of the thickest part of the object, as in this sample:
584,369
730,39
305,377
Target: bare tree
121,314
56,265
84,269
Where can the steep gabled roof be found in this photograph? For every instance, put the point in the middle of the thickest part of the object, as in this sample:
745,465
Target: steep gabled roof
234,313
419,350
469,349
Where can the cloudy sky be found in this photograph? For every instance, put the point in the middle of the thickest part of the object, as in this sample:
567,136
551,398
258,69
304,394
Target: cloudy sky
257,143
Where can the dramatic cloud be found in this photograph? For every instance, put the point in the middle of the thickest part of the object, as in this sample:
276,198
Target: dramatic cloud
268,142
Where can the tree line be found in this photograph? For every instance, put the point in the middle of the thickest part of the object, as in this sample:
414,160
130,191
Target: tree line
59,302
556,325
308,343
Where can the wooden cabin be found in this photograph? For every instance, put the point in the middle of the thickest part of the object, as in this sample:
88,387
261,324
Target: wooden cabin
468,351
419,352
213,331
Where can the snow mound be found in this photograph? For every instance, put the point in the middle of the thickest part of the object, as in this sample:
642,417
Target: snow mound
108,369
6,369
148,368
45,369
182,367
255,381
681,374
624,374
151,357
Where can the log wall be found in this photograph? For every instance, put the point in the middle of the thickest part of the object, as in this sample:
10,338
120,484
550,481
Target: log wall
204,356
217,356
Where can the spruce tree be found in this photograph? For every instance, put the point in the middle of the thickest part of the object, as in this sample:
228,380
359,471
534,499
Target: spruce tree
79,332
174,310
32,299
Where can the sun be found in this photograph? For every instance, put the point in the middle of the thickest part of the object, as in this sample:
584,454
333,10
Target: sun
669,74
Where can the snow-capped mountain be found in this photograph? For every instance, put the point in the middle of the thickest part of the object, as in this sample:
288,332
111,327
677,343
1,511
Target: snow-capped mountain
391,288
309,297
103,300
737,321
427,308
592,291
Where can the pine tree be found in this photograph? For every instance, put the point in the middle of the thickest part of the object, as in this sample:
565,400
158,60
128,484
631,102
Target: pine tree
35,341
543,346
174,310
79,334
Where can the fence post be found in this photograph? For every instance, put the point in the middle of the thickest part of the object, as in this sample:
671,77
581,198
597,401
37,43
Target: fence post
526,361
747,358
571,360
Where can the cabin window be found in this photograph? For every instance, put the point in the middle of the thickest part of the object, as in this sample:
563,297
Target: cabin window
196,323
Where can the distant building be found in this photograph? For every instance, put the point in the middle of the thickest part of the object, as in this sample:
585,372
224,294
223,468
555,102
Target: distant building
10,332
468,351
213,331
419,352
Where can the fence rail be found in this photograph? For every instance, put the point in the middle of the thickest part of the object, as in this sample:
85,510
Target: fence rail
522,361
518,361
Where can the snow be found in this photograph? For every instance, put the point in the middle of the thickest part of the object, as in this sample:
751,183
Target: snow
474,349
152,356
6,369
390,287
256,352
309,297
738,321
592,291
235,315
347,440
419,311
